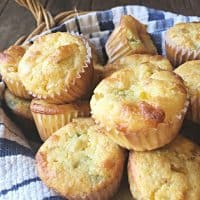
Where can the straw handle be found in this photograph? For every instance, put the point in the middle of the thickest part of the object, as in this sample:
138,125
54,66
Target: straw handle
44,19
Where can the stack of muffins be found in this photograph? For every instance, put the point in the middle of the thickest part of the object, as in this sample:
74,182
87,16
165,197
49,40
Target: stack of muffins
139,105
16,97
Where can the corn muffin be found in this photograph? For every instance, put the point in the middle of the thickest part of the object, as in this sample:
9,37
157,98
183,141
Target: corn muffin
80,162
18,109
146,106
129,37
182,43
137,59
18,106
190,73
172,172
51,117
9,61
57,68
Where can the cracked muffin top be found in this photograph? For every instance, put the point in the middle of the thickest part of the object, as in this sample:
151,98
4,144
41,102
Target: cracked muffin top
54,63
134,89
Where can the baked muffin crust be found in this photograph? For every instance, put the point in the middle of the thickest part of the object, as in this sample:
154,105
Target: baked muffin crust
172,172
182,43
18,105
79,162
138,59
42,107
57,67
190,73
185,35
142,101
50,117
9,62
129,37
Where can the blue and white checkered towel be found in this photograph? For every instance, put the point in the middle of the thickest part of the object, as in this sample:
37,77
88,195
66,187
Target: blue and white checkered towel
18,176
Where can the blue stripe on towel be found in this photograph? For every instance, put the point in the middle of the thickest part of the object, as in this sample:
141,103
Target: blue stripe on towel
17,186
163,25
155,14
53,198
103,43
102,22
157,39
60,28
105,20
10,148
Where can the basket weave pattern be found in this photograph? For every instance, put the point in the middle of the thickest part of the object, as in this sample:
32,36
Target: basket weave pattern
43,17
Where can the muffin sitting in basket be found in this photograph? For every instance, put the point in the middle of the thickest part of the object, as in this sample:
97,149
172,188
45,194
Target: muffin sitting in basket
80,162
146,106
9,69
171,172
182,43
57,68
129,37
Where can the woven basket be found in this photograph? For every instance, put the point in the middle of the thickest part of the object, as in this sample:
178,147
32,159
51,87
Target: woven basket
44,19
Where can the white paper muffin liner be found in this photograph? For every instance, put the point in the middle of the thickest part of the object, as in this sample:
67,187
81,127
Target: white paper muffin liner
17,88
148,139
178,55
193,113
79,87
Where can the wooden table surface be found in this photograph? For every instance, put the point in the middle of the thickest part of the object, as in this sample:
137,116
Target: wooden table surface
16,21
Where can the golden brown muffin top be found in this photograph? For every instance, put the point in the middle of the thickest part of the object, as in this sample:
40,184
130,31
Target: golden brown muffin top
129,37
53,62
9,61
137,35
172,172
43,107
138,97
185,35
138,59
190,73
18,105
78,159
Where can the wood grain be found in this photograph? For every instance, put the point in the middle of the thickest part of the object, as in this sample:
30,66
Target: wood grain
3,4
63,5
16,21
